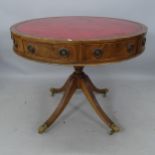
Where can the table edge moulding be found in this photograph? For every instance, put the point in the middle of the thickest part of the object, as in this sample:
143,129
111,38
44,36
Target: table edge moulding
79,41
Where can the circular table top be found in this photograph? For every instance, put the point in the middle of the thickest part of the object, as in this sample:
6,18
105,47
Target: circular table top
78,28
78,40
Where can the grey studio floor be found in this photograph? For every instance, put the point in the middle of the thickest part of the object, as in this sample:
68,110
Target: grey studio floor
26,103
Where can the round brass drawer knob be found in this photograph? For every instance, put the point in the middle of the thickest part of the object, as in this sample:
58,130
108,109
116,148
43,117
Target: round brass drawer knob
15,43
130,47
143,41
98,52
31,49
64,52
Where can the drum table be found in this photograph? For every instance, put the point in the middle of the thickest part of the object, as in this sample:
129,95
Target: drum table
79,41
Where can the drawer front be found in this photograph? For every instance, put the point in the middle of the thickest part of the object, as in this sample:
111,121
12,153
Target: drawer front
58,53
82,53
17,44
108,52
142,42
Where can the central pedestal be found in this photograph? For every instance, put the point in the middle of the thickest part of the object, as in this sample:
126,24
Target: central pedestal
79,80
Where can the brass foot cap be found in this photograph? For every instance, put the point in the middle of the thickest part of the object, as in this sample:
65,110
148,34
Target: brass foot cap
52,90
42,128
114,129
105,91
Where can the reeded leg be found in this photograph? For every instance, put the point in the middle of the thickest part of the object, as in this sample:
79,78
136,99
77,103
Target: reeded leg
103,91
59,90
70,89
87,90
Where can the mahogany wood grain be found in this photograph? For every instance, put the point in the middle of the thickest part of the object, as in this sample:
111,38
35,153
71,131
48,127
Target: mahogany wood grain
81,37
79,80
79,41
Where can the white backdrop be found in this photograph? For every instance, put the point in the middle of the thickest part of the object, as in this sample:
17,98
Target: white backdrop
17,10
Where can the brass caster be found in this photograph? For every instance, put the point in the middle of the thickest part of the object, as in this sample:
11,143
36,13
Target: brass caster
105,92
52,90
42,128
114,129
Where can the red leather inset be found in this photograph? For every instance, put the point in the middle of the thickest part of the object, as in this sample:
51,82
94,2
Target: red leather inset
79,28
